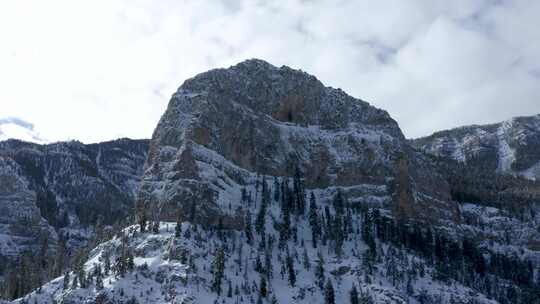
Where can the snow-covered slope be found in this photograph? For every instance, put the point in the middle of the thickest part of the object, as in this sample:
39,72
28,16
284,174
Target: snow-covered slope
178,269
16,128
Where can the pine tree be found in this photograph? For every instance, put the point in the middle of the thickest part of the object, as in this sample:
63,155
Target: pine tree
319,270
353,295
106,262
258,265
99,281
277,194
218,268
339,203
66,281
247,228
130,264
141,216
306,261
329,295
178,229
268,263
229,290
290,270
338,234
299,192
80,274
263,292
314,220
261,216
155,227
75,283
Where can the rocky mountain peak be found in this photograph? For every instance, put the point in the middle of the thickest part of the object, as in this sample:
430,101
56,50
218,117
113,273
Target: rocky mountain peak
225,128
286,95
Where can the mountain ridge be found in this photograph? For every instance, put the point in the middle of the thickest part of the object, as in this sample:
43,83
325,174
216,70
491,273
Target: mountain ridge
509,146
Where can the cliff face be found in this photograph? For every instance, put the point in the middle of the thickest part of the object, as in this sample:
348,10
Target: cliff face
64,189
225,127
21,225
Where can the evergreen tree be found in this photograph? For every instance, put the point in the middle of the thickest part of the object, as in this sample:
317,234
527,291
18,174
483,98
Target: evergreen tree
229,290
261,216
155,227
338,234
353,295
258,265
306,261
80,273
263,292
130,264
339,203
178,229
99,281
314,220
329,295
106,262
299,192
319,270
141,216
218,268
268,263
66,281
277,194
75,283
247,228
290,269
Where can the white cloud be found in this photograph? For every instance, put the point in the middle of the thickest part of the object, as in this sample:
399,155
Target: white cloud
96,70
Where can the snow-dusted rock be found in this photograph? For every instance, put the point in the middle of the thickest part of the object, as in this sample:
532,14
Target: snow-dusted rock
65,187
21,225
224,127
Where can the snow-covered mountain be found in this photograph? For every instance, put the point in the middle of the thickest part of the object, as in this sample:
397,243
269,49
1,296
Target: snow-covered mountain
16,128
53,197
509,147
287,191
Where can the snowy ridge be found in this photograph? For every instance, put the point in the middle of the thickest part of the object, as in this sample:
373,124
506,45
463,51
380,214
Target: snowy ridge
508,147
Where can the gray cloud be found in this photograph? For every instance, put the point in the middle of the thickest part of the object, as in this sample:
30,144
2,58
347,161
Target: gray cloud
111,65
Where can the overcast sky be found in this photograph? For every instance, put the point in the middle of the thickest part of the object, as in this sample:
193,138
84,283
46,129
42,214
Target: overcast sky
101,69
